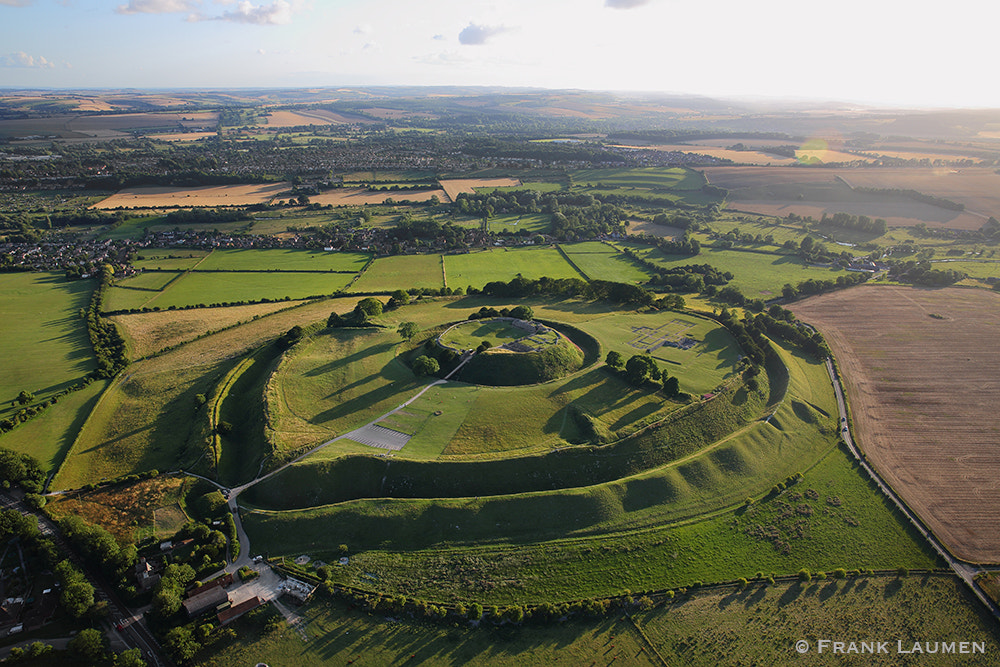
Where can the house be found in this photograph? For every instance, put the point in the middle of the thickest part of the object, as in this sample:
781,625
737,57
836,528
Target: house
145,578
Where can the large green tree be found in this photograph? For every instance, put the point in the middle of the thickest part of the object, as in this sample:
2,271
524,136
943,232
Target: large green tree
89,644
407,330
368,308
424,365
640,368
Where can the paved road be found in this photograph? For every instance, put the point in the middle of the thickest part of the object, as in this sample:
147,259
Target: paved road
967,572
245,559
133,633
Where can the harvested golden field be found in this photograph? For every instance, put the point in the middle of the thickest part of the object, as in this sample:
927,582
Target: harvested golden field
148,333
456,186
921,368
209,195
306,117
804,191
360,196
125,508
182,136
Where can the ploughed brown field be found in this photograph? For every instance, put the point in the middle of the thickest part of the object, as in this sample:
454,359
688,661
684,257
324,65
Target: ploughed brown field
811,192
922,372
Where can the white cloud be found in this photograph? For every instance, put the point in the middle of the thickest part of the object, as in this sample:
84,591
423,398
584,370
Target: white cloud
278,12
22,59
439,38
625,4
474,34
16,3
156,6
363,29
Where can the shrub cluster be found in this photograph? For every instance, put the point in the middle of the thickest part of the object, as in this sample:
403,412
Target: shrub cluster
20,469
602,290
108,344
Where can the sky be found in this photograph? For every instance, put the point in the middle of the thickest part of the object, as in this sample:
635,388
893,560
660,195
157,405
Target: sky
913,53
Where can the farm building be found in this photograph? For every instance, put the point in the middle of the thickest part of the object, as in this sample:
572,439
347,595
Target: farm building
202,602
227,615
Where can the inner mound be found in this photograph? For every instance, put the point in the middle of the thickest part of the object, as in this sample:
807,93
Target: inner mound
507,351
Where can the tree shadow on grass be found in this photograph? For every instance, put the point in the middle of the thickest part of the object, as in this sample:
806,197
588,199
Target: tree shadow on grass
848,586
892,588
341,362
759,594
791,594
636,414
360,403
828,591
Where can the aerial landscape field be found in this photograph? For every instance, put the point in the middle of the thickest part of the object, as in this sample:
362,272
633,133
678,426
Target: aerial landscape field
299,372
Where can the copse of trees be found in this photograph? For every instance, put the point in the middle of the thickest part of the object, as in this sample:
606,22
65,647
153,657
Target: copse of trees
20,469
573,215
922,273
642,371
77,595
862,223
99,548
364,311
107,341
812,286
686,245
603,290
520,312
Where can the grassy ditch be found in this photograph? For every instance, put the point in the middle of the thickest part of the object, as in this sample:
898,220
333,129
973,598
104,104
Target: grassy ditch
322,482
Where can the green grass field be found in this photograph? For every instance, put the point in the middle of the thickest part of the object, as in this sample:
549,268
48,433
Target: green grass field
537,186
169,259
479,268
129,432
536,223
284,260
978,270
757,275
401,272
600,261
49,436
339,381
207,288
700,368
714,627
153,281
44,343
673,178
